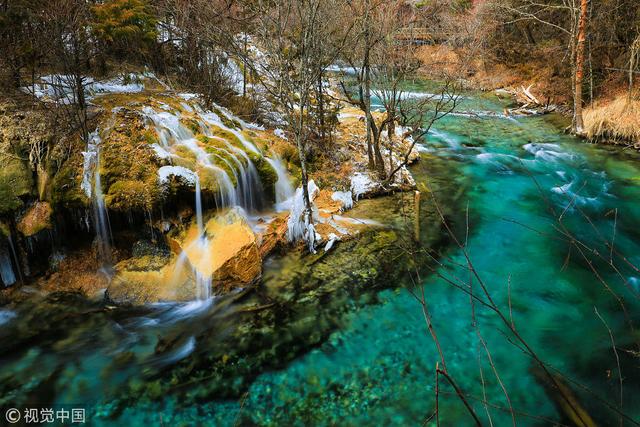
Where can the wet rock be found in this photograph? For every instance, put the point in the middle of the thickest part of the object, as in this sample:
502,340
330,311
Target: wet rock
227,253
36,219
230,256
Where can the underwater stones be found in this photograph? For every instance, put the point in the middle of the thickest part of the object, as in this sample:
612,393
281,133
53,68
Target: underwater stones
36,219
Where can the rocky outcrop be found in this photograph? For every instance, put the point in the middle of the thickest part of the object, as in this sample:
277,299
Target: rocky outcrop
226,255
36,219
231,256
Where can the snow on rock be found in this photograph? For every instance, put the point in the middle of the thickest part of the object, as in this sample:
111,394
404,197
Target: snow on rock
362,184
280,134
332,240
167,171
160,152
345,197
299,226
128,84
61,88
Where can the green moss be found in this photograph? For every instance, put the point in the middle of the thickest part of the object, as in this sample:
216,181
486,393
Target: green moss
5,231
230,123
131,195
227,136
267,174
128,165
65,186
209,180
192,125
16,181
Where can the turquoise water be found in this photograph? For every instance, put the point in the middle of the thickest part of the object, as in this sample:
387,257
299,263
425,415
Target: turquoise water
373,361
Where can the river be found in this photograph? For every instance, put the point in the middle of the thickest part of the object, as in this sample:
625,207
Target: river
375,364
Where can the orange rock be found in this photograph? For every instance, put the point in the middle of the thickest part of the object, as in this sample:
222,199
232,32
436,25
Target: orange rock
36,219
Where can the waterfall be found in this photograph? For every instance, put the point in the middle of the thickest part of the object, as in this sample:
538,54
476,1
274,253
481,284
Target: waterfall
247,192
199,207
6,269
214,119
94,192
200,243
284,189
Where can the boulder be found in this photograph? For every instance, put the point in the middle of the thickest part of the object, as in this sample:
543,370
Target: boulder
36,219
227,251
230,255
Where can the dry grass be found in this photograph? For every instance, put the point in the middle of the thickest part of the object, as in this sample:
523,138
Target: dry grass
616,121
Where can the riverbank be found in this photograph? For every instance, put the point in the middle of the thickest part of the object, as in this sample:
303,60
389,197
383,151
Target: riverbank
537,84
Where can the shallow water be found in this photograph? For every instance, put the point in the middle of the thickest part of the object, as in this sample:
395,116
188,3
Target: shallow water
373,361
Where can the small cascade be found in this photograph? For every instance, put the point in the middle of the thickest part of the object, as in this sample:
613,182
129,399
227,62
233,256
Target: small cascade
15,258
94,192
247,192
7,275
284,189
173,135
214,119
199,206
200,243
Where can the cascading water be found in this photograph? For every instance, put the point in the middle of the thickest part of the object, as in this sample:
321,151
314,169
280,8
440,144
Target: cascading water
227,163
250,191
6,269
174,135
284,189
200,244
94,192
247,192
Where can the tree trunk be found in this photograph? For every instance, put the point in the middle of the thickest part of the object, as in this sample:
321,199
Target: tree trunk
300,143
367,113
367,86
578,124
321,122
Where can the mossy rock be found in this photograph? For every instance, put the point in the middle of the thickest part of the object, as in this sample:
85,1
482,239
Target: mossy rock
131,195
36,219
268,175
16,182
128,165
5,231
227,136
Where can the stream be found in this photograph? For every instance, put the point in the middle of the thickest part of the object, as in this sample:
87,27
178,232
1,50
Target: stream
373,361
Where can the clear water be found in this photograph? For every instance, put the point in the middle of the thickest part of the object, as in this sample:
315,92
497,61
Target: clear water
376,364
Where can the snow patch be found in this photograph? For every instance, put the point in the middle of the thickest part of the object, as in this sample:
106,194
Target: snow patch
344,197
280,134
165,172
361,184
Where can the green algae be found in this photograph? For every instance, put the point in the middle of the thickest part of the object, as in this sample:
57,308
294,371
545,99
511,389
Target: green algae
16,182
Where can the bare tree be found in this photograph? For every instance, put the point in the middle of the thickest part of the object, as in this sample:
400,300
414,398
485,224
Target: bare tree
578,124
297,38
